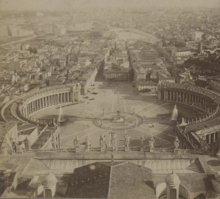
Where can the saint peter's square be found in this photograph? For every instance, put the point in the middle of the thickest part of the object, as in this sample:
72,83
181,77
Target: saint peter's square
109,103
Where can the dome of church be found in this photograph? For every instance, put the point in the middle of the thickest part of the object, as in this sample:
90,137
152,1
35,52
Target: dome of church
49,180
173,180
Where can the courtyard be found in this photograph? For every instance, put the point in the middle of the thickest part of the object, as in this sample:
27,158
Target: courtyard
104,104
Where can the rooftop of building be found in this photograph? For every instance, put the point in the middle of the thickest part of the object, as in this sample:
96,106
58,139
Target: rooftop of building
26,127
27,132
7,178
103,180
41,139
145,82
183,49
10,124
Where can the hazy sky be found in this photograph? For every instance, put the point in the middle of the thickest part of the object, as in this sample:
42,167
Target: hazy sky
66,4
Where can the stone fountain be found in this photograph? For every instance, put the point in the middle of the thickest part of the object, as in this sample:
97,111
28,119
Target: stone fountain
60,116
174,114
117,120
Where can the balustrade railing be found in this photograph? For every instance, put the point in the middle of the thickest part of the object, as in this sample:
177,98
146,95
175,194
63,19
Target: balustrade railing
192,88
48,89
120,149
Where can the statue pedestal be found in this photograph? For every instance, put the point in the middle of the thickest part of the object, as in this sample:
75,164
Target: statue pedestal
177,151
61,120
127,148
151,150
102,149
87,149
114,149
77,149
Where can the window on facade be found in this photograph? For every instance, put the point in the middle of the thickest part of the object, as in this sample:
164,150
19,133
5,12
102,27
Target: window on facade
172,193
48,193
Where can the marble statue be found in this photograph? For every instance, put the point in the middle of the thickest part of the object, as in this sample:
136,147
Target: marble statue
88,143
22,146
176,143
127,141
103,141
142,141
76,142
151,142
53,141
14,147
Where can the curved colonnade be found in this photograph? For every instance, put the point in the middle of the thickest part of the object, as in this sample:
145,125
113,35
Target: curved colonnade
37,100
200,99
196,97
23,107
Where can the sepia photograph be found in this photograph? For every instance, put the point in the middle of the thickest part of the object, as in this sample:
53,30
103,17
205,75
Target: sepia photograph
110,99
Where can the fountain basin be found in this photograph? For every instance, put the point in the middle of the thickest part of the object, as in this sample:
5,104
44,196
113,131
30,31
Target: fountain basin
113,121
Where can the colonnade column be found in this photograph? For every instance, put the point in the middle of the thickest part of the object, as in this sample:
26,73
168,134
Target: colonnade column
43,102
29,109
40,103
57,98
213,137
209,138
68,98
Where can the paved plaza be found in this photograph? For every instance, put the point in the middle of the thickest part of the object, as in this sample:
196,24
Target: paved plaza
134,34
110,98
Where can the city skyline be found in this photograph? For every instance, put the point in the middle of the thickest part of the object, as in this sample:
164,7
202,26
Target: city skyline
22,5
